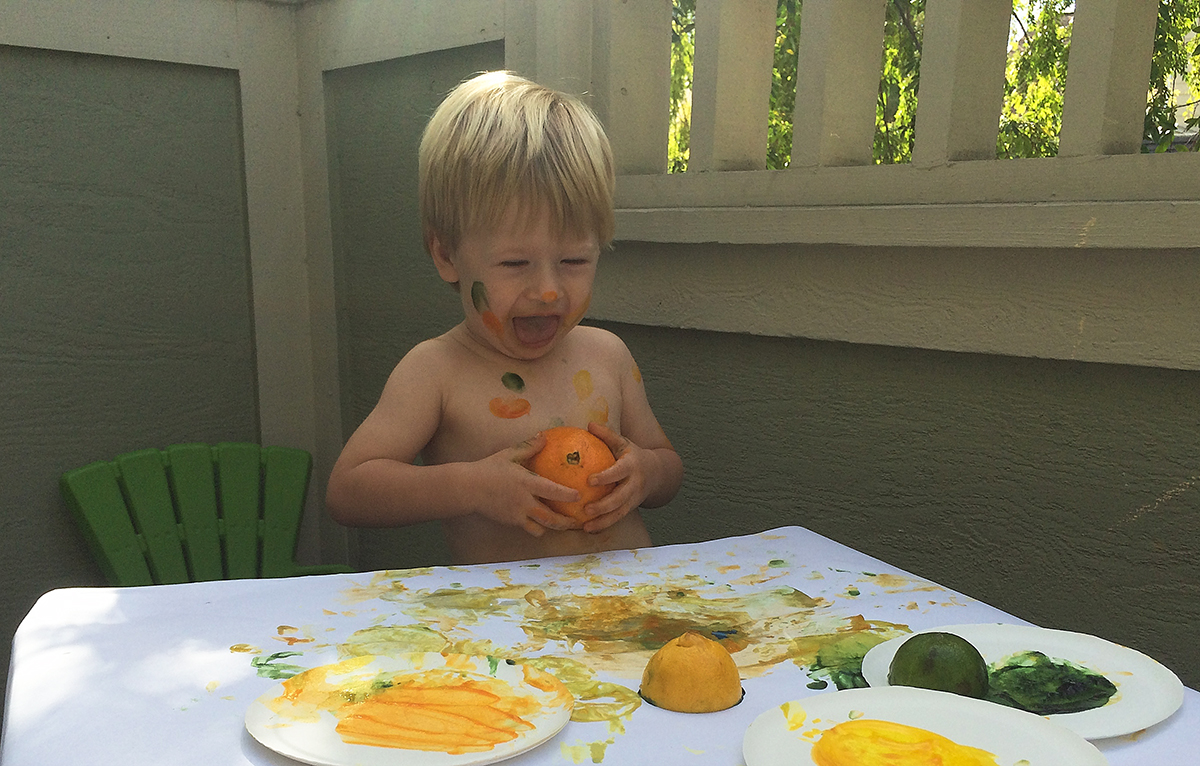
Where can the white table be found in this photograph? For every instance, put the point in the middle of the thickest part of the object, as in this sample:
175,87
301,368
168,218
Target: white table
164,674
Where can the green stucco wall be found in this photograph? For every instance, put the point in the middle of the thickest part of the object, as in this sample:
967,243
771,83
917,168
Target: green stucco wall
125,316
389,297
1066,493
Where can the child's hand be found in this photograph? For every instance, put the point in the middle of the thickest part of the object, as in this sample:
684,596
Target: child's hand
631,473
510,491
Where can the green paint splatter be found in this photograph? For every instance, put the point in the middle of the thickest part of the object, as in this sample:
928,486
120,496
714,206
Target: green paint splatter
512,381
777,563
479,297
493,663
1033,682
838,656
393,639
852,592
267,667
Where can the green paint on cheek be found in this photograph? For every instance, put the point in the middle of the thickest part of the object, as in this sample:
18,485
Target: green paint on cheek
511,380
479,297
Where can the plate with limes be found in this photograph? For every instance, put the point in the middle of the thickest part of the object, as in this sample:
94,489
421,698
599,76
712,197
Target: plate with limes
1146,691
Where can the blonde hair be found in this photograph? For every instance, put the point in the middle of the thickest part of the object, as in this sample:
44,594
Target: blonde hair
500,140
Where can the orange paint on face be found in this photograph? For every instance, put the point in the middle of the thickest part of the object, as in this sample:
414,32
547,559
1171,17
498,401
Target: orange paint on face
578,315
492,323
510,407
549,296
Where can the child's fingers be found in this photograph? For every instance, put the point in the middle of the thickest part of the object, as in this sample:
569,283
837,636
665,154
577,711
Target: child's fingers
552,490
617,443
527,448
611,475
532,527
544,518
604,521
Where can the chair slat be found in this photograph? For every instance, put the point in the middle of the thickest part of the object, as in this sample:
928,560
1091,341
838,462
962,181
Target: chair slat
145,480
95,500
285,485
191,471
239,482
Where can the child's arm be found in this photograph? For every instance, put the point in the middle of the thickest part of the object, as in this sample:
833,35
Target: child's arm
648,471
375,484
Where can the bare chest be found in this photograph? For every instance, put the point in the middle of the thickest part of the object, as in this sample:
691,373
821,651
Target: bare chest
497,406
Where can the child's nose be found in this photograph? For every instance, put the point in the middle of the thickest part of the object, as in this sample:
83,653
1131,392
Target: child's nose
546,288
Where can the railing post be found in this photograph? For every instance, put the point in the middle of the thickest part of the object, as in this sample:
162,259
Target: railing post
837,78
550,42
963,54
1104,106
631,81
731,90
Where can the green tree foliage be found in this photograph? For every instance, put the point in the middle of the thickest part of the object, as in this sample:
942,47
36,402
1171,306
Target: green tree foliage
1035,79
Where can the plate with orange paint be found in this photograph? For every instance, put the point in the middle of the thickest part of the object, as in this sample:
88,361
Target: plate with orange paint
902,726
420,709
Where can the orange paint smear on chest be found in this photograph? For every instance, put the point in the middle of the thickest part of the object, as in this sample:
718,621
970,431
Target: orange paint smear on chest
509,408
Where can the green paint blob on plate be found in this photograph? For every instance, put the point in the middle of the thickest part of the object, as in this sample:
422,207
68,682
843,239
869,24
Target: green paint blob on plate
1033,682
777,563
513,382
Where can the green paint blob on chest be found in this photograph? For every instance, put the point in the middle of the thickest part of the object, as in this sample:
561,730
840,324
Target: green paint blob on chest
513,382
1036,683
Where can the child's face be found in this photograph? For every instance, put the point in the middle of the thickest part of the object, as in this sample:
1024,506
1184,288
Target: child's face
523,288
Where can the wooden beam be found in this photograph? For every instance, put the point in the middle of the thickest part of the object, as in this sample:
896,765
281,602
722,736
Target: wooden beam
631,81
837,79
1104,106
965,44
731,92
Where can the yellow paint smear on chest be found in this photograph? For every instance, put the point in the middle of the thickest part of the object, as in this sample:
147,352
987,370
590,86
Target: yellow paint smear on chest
868,742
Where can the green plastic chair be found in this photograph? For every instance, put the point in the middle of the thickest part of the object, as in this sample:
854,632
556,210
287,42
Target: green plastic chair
194,512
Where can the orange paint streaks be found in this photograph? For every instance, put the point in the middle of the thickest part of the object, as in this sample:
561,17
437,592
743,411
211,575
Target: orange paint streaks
443,710
293,640
637,374
492,323
509,408
598,413
549,296
582,381
578,315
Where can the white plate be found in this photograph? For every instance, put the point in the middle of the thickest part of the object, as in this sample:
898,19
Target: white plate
1147,692
779,738
277,724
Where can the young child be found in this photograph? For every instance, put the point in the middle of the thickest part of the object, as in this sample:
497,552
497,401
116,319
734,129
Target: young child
516,195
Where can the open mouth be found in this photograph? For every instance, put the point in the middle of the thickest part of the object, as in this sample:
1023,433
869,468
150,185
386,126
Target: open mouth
536,330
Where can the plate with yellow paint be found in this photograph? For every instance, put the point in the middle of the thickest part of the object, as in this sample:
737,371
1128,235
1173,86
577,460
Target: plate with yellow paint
901,726
421,709
1146,691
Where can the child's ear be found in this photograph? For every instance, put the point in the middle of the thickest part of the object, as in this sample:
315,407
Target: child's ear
441,259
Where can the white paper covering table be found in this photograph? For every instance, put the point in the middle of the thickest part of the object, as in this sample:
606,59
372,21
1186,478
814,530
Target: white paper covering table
164,674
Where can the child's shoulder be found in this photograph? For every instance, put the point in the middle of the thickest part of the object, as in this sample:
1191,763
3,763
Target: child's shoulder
598,340
432,356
